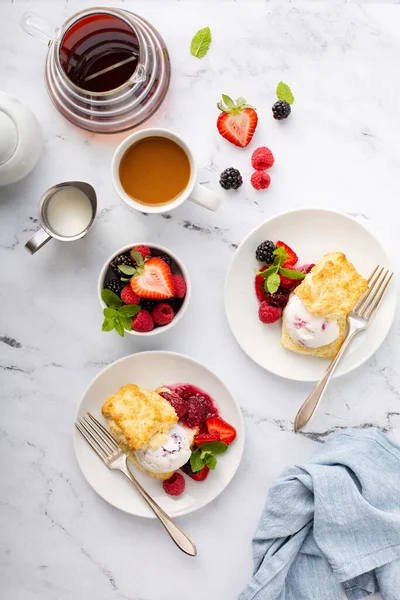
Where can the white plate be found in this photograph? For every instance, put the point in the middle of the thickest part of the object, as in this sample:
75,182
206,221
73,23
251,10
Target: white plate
150,370
311,233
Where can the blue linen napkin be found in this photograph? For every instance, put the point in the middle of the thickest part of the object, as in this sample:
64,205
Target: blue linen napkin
334,519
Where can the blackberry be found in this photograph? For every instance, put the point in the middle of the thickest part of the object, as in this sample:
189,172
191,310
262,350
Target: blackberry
279,299
230,179
176,303
148,304
165,258
265,252
186,468
281,110
122,259
115,285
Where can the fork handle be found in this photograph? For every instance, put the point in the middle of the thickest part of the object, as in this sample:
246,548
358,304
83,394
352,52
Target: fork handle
181,539
310,405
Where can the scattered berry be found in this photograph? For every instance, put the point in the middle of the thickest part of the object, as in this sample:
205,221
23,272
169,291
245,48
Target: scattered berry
203,438
286,282
162,314
154,280
279,299
226,432
115,285
143,322
179,286
129,296
175,485
178,403
262,159
143,250
238,122
268,314
305,268
121,259
291,258
230,179
281,110
260,180
176,303
165,258
265,252
199,407
199,476
148,304
259,285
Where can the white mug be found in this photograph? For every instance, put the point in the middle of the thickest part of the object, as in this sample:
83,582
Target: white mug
193,191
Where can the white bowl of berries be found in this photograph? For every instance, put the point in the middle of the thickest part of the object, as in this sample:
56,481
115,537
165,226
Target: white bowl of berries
143,290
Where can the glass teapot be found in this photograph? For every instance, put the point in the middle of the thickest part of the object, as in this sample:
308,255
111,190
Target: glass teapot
107,69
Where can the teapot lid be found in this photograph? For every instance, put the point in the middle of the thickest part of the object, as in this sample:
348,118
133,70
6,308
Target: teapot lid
8,137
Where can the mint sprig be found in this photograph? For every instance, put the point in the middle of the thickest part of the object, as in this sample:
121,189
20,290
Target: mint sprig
117,315
271,274
284,92
205,455
201,42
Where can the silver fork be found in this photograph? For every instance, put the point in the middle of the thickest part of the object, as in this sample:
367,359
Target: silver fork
358,320
106,448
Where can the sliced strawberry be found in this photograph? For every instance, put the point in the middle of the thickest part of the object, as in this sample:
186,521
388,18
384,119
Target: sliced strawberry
291,256
286,282
226,432
238,122
202,438
259,285
154,280
200,475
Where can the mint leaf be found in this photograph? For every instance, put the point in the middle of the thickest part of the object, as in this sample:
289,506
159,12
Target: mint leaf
272,269
109,313
126,323
284,92
200,43
125,279
211,461
214,447
137,257
127,270
111,299
196,462
291,273
108,325
129,310
119,327
272,283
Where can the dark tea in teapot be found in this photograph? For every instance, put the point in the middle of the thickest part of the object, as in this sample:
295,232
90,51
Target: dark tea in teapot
99,52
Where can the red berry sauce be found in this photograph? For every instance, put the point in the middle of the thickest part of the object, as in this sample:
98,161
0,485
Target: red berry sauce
200,405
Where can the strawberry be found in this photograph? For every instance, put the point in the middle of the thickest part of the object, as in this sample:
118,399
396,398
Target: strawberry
202,438
259,285
200,475
153,280
226,432
286,282
237,122
291,258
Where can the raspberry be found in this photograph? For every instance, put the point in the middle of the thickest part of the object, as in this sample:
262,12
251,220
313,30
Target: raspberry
280,298
143,250
306,268
199,407
262,158
143,322
162,313
269,314
286,282
179,405
175,485
129,296
179,286
260,180
259,285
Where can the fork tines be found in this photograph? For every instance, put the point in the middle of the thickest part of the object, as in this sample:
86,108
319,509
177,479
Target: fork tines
369,302
97,437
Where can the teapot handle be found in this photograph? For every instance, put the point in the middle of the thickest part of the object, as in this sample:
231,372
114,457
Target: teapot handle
38,28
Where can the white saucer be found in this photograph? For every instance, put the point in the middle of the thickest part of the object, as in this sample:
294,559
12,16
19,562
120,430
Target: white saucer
311,233
150,370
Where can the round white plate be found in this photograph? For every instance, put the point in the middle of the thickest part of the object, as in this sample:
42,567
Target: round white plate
150,370
311,233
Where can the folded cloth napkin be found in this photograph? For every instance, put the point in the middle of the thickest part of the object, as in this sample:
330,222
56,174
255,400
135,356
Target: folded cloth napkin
334,519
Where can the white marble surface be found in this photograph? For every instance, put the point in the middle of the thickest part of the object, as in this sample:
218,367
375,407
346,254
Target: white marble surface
339,149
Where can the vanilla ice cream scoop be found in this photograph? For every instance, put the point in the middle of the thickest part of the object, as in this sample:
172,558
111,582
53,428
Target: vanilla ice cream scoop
306,329
169,456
